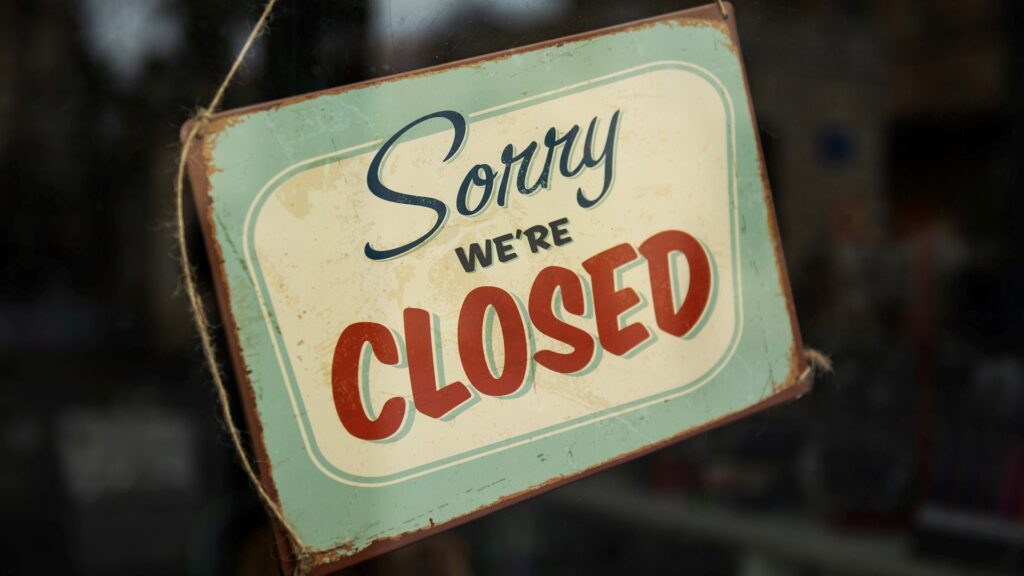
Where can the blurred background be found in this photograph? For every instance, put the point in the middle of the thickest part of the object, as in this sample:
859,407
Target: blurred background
893,133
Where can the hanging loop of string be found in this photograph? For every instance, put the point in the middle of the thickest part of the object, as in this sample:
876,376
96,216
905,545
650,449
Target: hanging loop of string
303,553
721,8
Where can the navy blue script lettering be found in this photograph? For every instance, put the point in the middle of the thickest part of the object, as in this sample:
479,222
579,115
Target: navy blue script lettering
481,184
384,193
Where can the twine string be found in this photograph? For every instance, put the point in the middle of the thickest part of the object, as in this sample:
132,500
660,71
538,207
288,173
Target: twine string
721,8
817,363
199,317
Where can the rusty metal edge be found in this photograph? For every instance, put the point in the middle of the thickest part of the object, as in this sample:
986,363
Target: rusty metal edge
200,183
709,12
798,362
328,562
791,390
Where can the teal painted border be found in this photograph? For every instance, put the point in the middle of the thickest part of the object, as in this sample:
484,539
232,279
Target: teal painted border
274,330
247,152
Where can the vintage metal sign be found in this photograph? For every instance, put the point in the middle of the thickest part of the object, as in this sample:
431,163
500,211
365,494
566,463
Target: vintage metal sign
451,289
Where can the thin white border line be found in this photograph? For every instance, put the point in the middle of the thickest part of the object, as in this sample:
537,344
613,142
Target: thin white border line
280,360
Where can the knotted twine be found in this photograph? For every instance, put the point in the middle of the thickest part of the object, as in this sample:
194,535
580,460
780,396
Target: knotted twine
303,553
816,361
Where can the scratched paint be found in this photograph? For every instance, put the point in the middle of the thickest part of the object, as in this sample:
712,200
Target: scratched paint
319,270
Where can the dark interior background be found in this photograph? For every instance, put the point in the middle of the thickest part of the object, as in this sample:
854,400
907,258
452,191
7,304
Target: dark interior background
893,133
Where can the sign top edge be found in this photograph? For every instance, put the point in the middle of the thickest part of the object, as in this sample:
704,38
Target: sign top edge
706,15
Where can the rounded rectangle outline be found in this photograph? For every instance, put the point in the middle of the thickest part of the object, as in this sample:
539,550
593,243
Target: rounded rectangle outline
266,308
